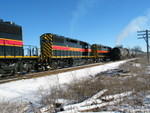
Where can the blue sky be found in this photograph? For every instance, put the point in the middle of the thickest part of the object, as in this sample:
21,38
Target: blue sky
106,22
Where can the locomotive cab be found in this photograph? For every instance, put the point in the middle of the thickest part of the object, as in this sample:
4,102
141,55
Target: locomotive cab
100,52
11,43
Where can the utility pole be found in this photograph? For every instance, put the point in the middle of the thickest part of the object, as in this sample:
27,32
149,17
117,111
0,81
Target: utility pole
145,35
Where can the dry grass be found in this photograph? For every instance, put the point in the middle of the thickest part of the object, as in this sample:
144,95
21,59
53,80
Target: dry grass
115,84
138,81
13,107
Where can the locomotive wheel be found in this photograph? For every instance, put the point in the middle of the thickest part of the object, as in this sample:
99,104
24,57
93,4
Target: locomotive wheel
7,70
12,72
25,66
30,66
54,65
62,65
22,66
2,73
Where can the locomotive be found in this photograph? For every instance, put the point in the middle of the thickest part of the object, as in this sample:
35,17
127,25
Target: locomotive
56,51
100,52
12,58
59,51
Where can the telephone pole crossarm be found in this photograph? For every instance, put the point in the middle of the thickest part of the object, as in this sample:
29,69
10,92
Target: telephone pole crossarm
145,35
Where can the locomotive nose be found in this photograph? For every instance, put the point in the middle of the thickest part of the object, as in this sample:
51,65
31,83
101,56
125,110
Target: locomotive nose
46,46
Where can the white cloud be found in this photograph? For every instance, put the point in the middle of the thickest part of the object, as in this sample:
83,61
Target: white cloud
138,23
81,9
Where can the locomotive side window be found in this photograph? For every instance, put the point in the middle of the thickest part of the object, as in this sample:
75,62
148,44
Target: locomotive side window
100,48
105,49
58,39
71,42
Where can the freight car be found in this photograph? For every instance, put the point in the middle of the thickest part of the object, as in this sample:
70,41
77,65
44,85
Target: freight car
118,53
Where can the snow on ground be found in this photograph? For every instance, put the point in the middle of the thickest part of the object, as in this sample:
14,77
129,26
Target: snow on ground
28,89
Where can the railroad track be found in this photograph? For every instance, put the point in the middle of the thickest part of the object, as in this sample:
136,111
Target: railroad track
44,73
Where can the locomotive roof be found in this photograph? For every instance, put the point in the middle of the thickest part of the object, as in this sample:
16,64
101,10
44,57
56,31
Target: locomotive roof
101,45
10,27
8,23
66,37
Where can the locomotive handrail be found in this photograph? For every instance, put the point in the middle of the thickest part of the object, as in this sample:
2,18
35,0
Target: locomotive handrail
31,50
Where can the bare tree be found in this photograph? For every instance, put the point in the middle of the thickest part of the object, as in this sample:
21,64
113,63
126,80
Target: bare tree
137,49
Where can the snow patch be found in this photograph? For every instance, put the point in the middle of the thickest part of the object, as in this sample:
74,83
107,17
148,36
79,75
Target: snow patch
27,89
